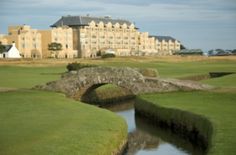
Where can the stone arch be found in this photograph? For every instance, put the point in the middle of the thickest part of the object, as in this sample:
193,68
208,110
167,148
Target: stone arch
76,83
91,78
84,93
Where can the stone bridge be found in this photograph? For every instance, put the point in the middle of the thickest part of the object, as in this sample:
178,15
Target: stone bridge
77,83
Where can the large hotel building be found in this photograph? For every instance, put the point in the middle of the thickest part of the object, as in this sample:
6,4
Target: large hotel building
86,37
27,40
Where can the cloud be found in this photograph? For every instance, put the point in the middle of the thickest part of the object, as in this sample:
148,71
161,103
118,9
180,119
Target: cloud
185,19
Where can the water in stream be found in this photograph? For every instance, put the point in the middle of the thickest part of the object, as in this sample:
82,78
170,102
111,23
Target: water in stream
146,139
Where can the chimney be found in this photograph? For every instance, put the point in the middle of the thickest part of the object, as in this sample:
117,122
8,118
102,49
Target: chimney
13,43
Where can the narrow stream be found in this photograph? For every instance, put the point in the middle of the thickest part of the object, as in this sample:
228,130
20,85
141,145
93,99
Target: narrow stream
146,139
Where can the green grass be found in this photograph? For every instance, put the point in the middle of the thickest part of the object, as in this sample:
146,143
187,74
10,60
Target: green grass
27,77
218,107
228,81
35,122
178,69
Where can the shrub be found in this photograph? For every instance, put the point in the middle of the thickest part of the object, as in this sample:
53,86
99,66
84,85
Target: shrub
108,55
149,72
76,66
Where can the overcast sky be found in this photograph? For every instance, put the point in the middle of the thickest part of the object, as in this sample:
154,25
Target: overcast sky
204,24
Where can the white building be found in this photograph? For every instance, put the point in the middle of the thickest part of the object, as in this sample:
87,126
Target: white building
10,52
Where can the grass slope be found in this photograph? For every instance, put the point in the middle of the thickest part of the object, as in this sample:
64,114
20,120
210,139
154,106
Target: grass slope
35,122
218,107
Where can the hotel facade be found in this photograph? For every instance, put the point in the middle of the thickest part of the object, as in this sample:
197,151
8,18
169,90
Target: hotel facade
92,35
88,37
62,35
26,39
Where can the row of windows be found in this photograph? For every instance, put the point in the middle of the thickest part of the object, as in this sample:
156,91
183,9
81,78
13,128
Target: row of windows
120,39
62,34
109,42
32,45
66,39
111,38
107,35
109,46
108,30
171,45
29,38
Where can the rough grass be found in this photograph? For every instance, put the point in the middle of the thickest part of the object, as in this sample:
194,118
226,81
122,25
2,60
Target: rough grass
217,107
35,122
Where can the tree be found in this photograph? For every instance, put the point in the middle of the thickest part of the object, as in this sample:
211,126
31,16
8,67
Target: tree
234,51
182,47
55,48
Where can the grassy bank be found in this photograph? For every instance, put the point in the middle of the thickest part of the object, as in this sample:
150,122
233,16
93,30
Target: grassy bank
194,109
35,122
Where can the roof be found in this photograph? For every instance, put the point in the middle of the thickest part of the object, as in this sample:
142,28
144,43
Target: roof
166,38
191,51
85,20
7,47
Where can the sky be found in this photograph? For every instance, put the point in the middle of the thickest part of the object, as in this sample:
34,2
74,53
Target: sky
205,24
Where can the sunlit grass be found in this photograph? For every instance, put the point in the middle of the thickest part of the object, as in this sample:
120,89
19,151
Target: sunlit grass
35,122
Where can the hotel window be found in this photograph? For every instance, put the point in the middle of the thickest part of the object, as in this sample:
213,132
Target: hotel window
23,45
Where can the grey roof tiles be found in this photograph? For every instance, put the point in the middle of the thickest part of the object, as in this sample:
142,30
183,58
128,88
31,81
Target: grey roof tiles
85,20
7,47
166,38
